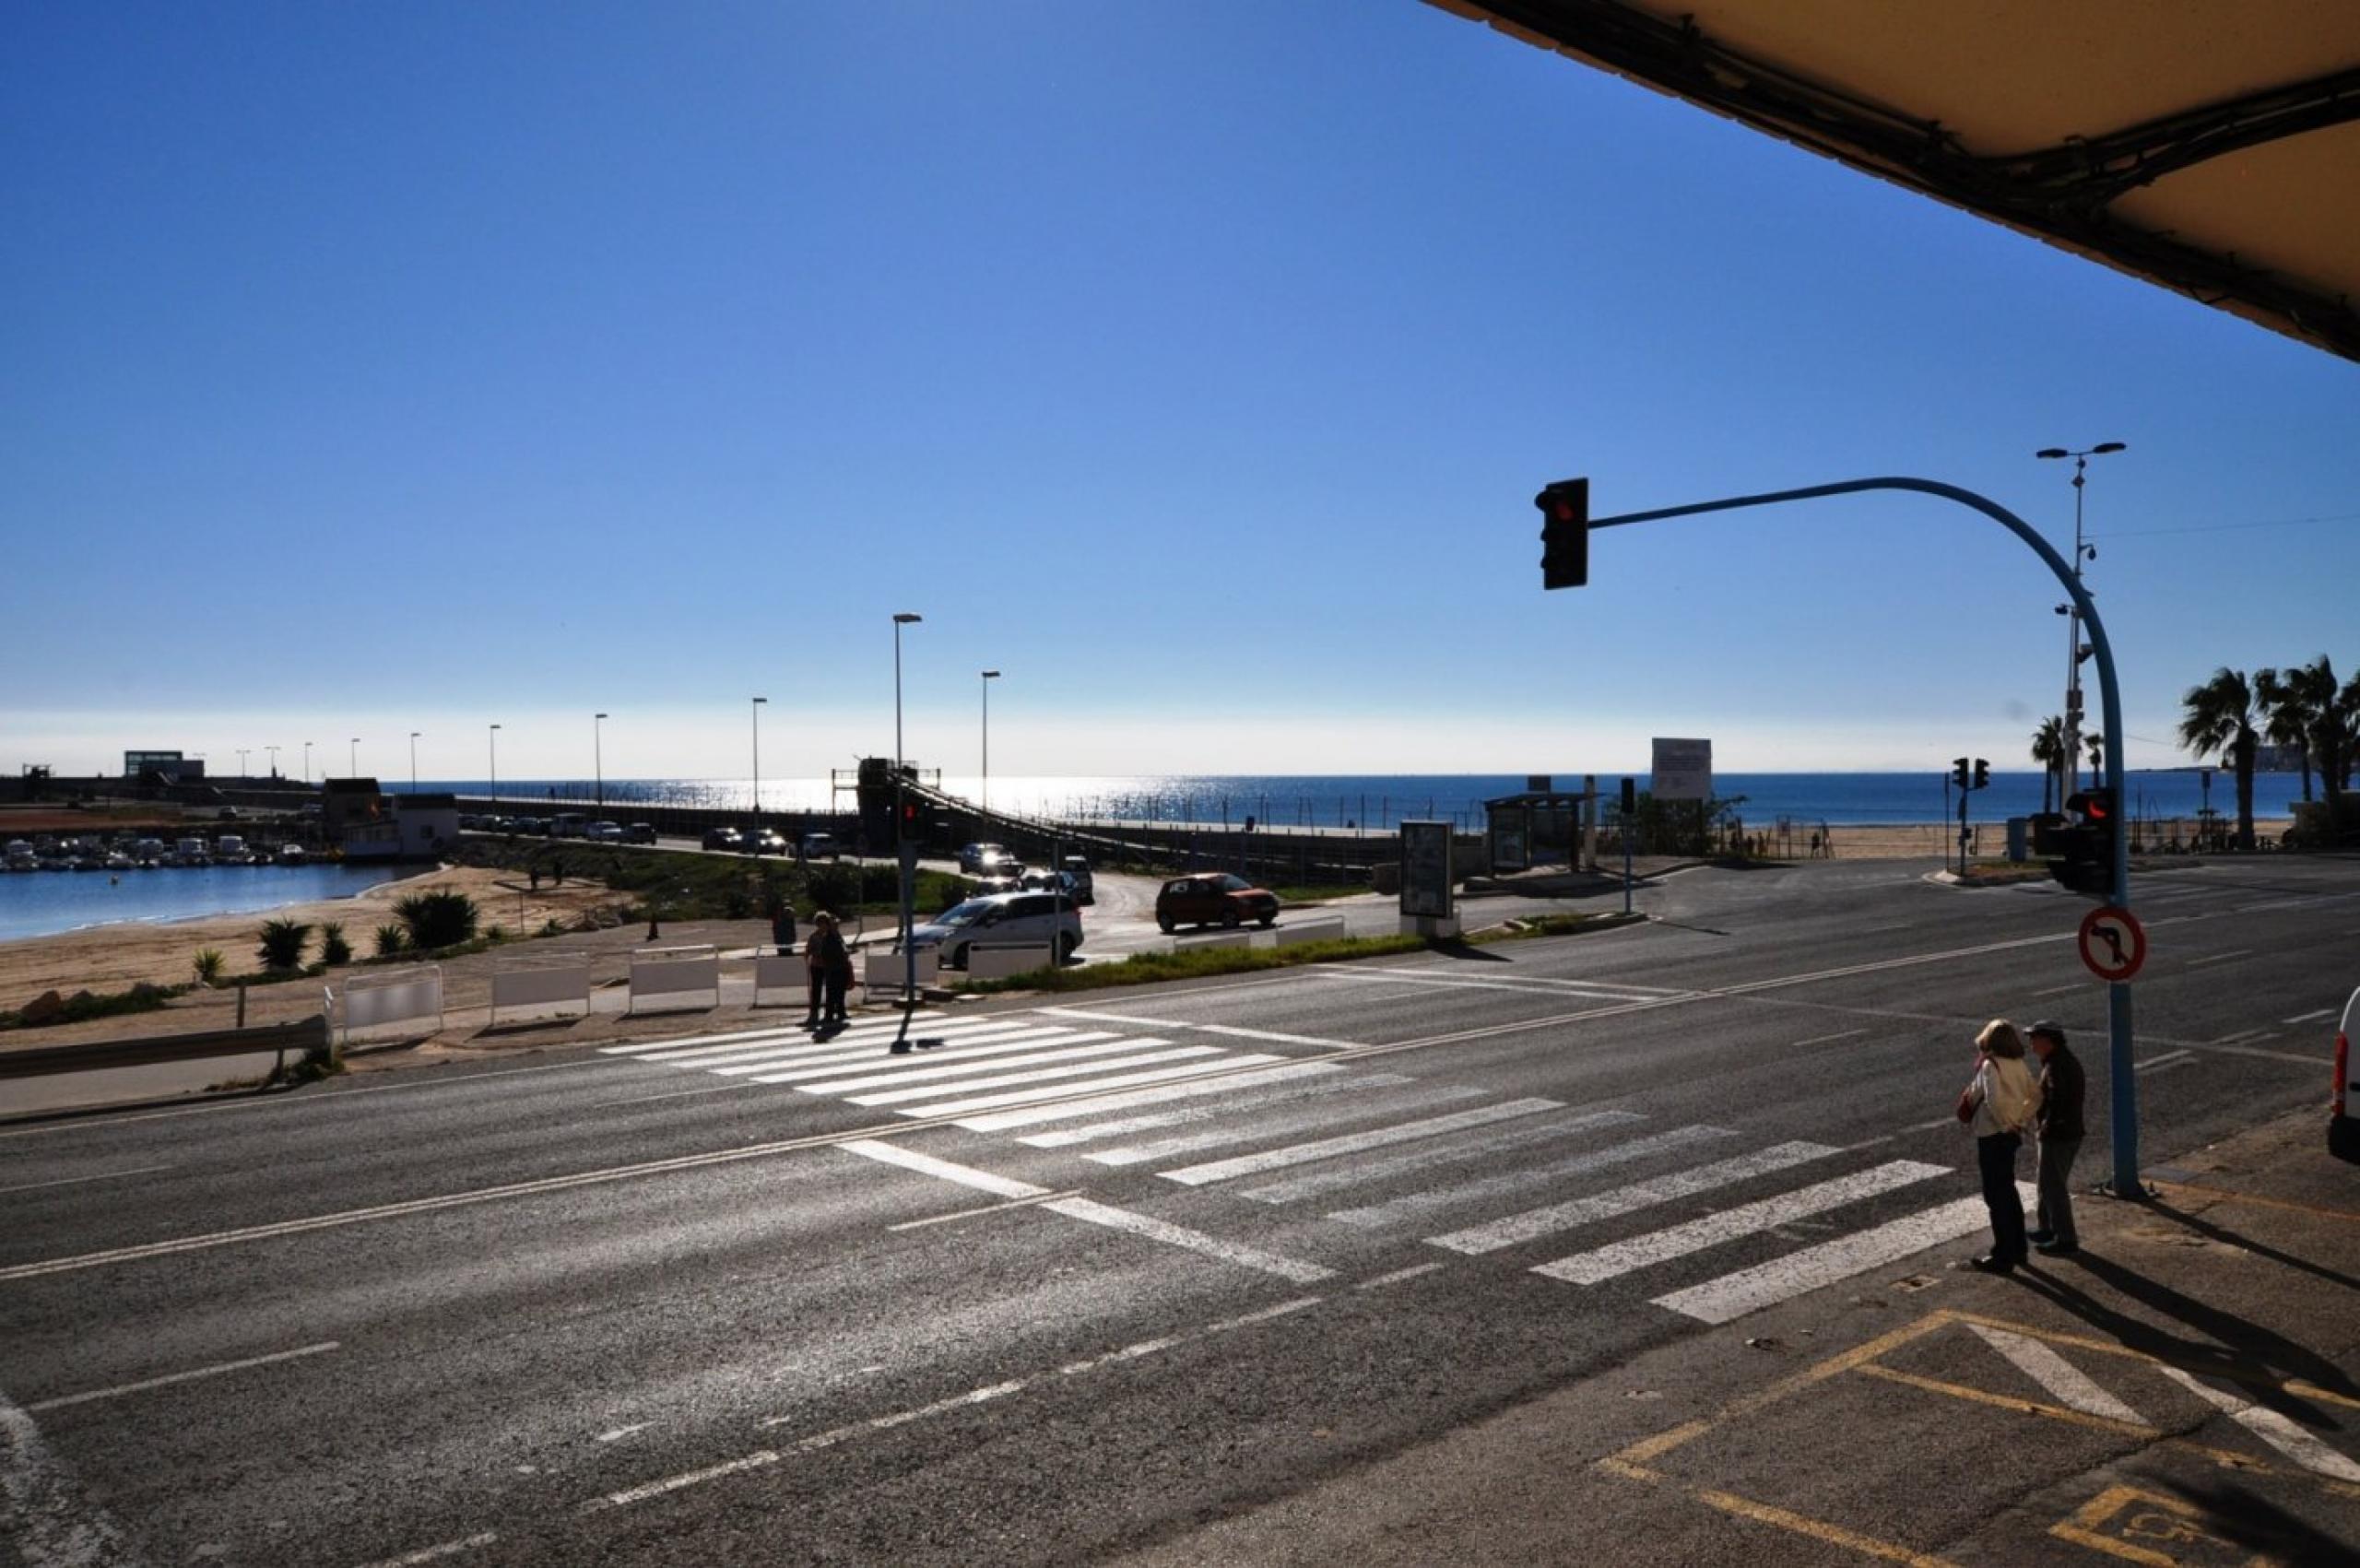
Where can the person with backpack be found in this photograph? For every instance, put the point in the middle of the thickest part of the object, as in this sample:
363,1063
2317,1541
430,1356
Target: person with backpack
1998,1104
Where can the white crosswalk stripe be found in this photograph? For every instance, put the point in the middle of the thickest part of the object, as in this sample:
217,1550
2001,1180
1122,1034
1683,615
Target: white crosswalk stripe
1352,1143
1163,1052
1282,1126
1032,1115
1660,1246
1449,1151
1217,1065
1417,1206
1147,1121
836,1058
1557,1217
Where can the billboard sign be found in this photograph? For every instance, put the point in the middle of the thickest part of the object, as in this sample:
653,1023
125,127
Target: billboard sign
1425,869
1684,769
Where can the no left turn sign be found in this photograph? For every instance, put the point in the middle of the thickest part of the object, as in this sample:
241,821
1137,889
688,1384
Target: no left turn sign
2114,944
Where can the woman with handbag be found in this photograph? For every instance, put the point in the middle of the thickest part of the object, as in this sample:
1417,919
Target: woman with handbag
1998,1104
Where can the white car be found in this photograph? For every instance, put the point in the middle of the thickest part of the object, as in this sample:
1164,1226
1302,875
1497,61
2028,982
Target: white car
1034,918
604,832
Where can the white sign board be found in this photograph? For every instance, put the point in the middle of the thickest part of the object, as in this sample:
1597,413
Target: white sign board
1425,869
1684,769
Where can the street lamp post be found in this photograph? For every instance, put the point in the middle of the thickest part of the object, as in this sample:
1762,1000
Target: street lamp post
2081,552
307,763
353,757
989,675
413,759
902,848
597,763
274,760
491,745
757,706
241,760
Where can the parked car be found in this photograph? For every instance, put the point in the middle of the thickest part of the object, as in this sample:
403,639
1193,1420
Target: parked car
1031,917
721,838
1077,870
568,825
604,832
819,846
1213,898
640,832
976,859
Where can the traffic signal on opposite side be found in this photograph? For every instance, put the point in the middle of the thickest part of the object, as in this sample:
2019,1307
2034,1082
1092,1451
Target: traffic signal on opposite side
1982,773
1959,774
1565,534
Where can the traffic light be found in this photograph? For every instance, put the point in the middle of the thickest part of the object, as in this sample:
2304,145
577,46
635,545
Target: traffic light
1565,534
2082,853
1959,774
1630,798
1982,773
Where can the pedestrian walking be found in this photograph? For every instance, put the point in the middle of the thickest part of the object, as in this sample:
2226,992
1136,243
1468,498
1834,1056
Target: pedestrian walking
828,962
2060,1127
1998,1105
783,927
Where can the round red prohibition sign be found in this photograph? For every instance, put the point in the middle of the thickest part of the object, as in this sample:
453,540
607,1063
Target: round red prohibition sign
2114,944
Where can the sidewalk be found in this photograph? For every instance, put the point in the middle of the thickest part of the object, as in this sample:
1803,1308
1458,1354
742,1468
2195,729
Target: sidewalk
2185,1392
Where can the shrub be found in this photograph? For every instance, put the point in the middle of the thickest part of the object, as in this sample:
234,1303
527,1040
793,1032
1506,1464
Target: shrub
442,918
208,966
282,944
552,928
390,940
334,948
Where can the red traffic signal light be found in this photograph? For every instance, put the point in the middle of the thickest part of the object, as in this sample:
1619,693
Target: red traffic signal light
1565,534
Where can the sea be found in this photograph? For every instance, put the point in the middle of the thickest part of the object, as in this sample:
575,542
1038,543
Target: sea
1382,800
40,903
36,904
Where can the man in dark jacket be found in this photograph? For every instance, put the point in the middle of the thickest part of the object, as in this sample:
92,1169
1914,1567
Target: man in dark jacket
2059,1122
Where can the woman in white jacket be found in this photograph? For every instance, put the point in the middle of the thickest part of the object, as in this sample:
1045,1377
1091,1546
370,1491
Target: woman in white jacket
1998,1104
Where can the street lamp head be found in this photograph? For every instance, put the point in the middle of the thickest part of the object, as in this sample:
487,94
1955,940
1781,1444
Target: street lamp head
597,716
903,618
761,700
991,674
2107,446
2052,452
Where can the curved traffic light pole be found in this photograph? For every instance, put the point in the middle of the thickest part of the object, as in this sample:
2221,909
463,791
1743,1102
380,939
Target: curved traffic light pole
2125,1097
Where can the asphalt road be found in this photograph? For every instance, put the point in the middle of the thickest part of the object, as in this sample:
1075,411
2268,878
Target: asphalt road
1102,1273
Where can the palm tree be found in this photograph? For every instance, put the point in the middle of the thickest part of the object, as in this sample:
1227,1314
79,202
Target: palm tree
2049,751
2328,720
2218,717
2287,703
2095,746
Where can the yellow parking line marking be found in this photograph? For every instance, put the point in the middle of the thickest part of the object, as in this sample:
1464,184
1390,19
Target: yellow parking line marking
2082,1526
1819,1529
2251,1378
2014,1402
2226,1196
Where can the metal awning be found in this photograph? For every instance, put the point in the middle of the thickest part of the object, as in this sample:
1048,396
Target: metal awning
2212,149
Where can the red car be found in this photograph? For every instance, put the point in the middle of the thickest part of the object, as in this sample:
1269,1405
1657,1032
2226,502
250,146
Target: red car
1214,898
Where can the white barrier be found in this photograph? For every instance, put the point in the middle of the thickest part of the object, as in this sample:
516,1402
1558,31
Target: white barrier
780,971
881,969
541,986
1326,930
998,960
396,996
1217,940
673,972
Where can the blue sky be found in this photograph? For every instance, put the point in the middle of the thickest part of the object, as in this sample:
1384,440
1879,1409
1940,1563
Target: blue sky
371,370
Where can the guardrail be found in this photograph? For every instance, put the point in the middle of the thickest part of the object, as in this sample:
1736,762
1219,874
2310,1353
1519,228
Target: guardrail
1214,939
883,970
1328,930
305,1034
780,971
674,971
543,985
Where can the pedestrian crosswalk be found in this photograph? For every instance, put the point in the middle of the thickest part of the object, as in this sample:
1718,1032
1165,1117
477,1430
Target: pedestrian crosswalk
1695,1218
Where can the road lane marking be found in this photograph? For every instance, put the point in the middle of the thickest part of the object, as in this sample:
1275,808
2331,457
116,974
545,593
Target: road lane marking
754,1461
1095,1104
323,1348
622,1431
986,1209
669,1094
2236,1036
1143,1054
926,1164
1352,1143
2297,1057
1827,1039
49,1519
1075,1047
2306,1018
436,1553
77,1180
1437,1151
1180,1236
1183,1116
1398,1275
1534,1223
2068,1384
2167,1060
1280,1126
1418,1204
284,1097
2219,957
1193,1071
1645,1251
2061,990
1733,1295
1207,1028
2272,1427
